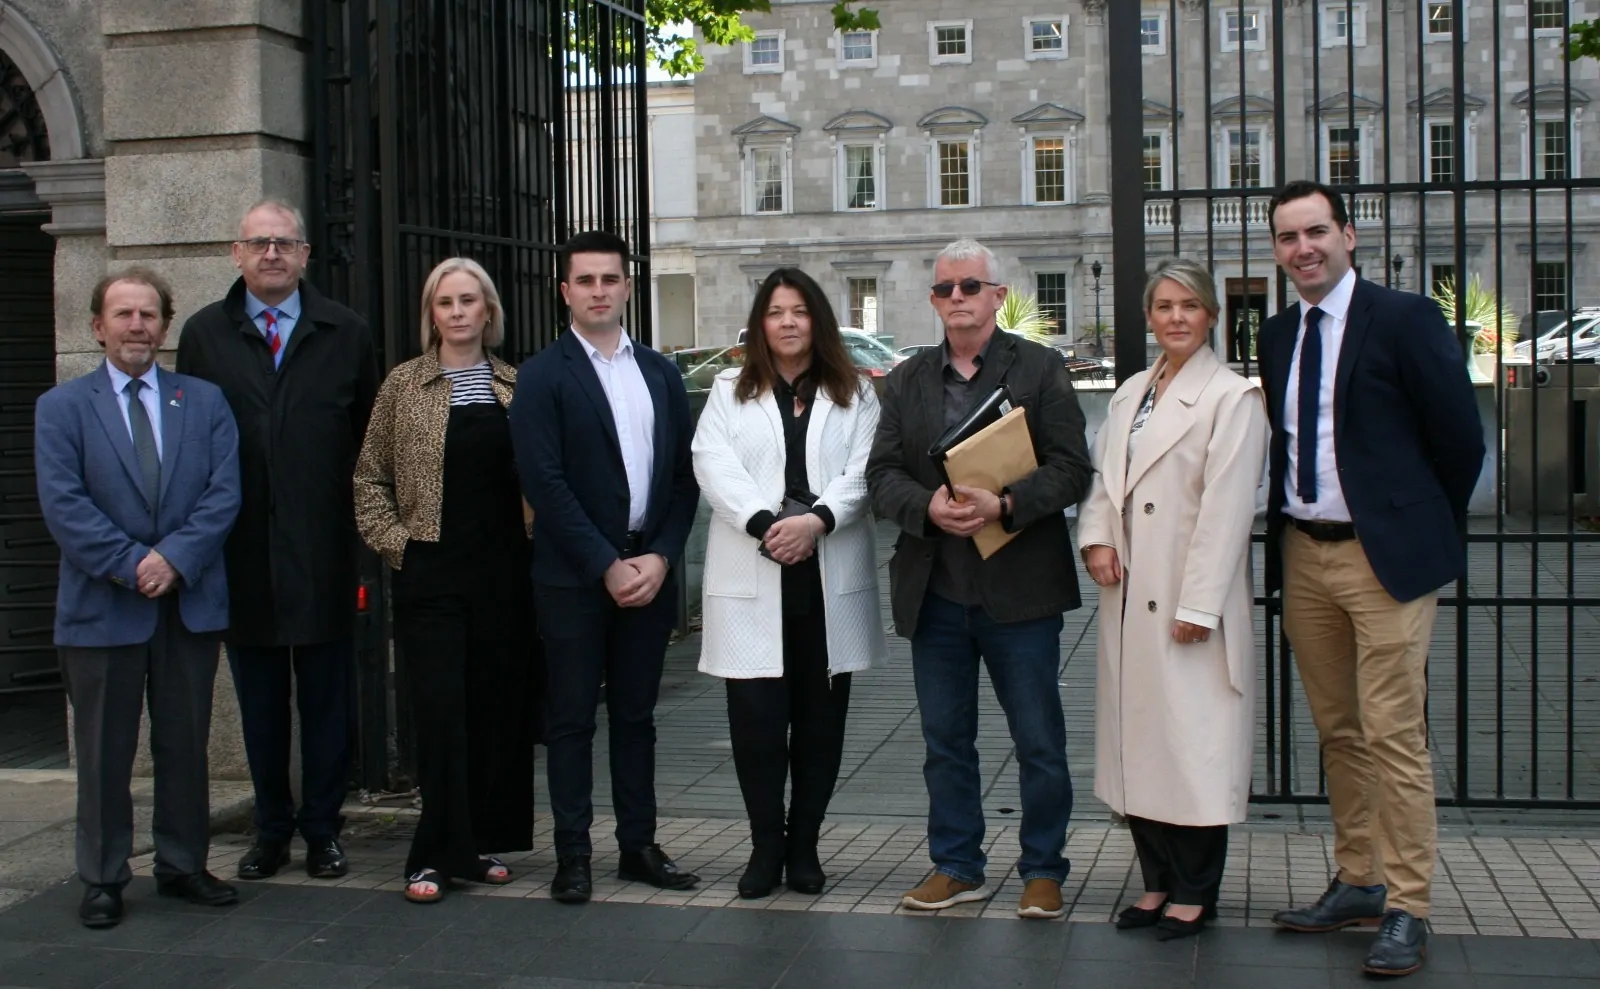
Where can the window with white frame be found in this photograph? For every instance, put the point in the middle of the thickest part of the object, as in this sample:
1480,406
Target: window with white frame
1049,169
768,174
1442,139
1246,28
1551,154
859,170
1342,155
949,42
1044,37
764,52
857,49
1549,285
953,173
1439,20
1344,25
1548,16
1050,291
1153,33
1245,150
863,308
1157,163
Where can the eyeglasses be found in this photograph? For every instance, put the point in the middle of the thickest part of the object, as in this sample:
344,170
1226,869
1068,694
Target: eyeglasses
969,286
259,245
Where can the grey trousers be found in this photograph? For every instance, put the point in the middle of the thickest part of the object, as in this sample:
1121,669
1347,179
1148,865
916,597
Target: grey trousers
108,688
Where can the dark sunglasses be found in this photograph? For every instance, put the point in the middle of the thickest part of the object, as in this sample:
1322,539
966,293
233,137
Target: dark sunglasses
969,286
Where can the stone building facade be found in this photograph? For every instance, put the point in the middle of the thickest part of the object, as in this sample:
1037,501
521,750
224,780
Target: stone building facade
858,156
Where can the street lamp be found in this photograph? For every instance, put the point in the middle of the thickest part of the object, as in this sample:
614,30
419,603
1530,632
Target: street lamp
1398,263
1099,349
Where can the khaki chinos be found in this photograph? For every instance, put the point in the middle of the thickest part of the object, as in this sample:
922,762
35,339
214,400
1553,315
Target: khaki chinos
1362,657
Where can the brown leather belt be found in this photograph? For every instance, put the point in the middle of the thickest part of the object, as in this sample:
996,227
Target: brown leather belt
1326,532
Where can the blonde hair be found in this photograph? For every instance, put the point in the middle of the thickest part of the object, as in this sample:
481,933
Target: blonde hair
1192,275
493,331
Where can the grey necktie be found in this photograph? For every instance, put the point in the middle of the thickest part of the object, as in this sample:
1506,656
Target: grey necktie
144,442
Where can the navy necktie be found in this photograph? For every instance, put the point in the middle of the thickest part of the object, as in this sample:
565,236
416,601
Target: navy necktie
1310,407
144,442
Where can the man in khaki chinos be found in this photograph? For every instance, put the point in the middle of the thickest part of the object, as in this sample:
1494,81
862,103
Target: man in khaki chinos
1376,448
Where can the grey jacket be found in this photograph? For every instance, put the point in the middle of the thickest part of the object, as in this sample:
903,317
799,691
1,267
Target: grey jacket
1033,576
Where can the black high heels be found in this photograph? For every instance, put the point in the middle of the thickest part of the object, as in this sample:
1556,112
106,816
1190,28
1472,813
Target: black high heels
764,872
1170,928
1136,917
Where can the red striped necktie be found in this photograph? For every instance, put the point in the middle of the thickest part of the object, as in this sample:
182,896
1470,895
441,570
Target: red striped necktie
274,342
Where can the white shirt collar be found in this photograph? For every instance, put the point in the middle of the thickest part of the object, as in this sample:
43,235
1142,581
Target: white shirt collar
1337,303
120,379
625,346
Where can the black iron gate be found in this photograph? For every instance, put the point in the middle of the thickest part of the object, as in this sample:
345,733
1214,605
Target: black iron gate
1464,177
491,129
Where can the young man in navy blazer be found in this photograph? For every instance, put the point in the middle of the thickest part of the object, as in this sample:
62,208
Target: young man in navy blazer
138,472
1376,448
601,428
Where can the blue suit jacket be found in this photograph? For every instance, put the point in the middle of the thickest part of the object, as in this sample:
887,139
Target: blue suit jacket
1405,431
570,462
94,506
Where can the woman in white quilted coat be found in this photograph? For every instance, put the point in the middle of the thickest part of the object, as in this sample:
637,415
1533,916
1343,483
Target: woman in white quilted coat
791,586
1165,532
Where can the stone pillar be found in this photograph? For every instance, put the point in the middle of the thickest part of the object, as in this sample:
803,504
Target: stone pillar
205,113
75,191
1098,75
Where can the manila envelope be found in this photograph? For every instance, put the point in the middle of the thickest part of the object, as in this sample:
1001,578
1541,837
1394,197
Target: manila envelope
995,456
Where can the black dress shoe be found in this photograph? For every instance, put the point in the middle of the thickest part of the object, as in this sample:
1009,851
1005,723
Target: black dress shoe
101,907
764,872
264,859
651,865
202,889
572,883
1341,906
804,868
1169,928
1135,917
1402,942
325,859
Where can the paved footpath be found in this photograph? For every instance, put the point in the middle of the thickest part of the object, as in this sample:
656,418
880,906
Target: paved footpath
1515,900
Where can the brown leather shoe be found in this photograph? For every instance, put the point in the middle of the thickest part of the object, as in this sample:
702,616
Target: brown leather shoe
1041,900
940,891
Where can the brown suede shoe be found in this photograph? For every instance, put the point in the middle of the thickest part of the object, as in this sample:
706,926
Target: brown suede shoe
940,891
1041,900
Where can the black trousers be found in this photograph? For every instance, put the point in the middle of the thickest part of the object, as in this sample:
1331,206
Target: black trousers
1186,863
790,727
321,681
590,641
173,672
471,671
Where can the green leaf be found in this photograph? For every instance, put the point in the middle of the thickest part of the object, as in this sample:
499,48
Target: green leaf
719,23
1020,314
1495,326
1583,40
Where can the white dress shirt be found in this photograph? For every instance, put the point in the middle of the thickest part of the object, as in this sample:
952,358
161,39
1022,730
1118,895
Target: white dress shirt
635,415
149,396
1330,505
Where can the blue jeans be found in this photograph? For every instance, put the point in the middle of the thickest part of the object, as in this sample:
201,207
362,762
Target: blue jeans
1024,659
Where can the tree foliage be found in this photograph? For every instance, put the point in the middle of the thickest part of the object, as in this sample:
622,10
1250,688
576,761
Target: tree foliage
719,21
1583,41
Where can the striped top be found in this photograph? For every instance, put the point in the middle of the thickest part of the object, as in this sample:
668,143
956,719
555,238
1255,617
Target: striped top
471,385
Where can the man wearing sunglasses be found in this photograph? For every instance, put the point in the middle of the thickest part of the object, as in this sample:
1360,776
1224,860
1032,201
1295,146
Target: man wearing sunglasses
300,373
958,608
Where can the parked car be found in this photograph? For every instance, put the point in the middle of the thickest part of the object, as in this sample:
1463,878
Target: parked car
1550,339
915,349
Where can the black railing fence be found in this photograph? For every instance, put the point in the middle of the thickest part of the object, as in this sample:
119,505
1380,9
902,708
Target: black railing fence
490,129
1455,129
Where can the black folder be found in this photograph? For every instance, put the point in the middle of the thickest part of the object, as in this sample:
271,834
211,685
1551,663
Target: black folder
981,416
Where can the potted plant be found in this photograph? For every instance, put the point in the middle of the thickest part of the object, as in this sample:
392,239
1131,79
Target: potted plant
1020,314
1494,330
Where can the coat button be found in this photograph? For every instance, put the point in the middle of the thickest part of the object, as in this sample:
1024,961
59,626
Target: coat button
1149,508
1152,606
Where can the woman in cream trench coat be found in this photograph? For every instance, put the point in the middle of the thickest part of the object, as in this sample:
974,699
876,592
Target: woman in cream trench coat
1174,720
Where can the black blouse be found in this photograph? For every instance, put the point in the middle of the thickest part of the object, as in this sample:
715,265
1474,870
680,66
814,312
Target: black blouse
802,582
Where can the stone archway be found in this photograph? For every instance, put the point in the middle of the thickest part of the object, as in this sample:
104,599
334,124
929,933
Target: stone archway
41,69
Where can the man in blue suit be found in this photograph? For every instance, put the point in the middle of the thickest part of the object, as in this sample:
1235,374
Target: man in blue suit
601,427
1376,447
138,473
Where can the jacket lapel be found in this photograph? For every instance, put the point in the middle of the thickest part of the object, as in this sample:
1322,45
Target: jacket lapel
589,382
661,475
1357,322
1171,418
107,408
821,406
172,419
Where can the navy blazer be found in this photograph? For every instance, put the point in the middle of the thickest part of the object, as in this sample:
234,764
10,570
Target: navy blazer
570,461
1406,434
94,505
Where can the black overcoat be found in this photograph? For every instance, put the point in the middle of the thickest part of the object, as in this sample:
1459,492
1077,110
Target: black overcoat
292,554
